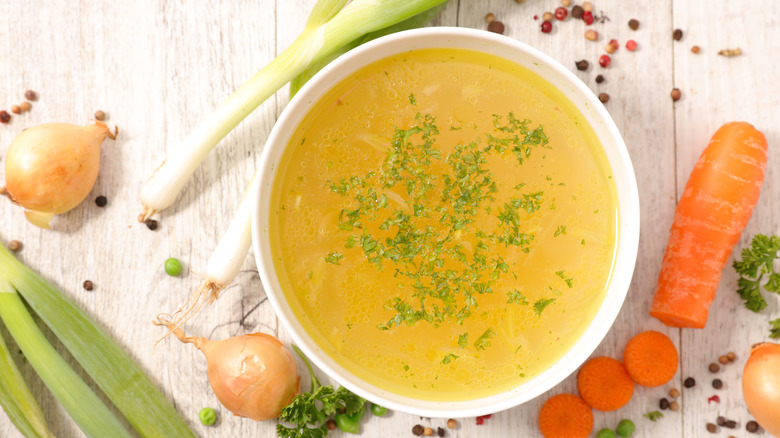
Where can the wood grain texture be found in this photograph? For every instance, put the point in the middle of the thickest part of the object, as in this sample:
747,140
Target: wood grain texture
157,67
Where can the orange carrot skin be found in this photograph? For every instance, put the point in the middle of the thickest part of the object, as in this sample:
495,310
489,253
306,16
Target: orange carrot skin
713,210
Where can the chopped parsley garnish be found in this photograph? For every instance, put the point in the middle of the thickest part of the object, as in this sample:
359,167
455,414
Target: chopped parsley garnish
463,340
516,297
757,262
334,258
412,99
653,416
449,358
484,341
563,276
422,205
541,304
560,230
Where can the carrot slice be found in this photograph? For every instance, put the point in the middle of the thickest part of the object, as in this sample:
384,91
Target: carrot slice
713,210
604,384
650,358
565,416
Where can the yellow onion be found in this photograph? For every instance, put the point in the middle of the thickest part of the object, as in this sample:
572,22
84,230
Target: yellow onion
51,168
761,386
252,375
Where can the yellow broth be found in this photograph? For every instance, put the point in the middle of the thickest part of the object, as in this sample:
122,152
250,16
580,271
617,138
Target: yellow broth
526,304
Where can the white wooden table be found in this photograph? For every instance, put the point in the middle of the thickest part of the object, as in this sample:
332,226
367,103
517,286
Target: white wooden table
156,67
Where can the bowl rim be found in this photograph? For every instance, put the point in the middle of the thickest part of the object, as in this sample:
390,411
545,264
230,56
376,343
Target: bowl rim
626,247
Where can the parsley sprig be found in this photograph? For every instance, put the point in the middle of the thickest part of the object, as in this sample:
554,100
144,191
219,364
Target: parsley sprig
758,262
308,412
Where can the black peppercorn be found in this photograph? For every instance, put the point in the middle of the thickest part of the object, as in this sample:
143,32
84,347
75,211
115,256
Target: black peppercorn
731,424
690,382
721,421
151,224
633,24
711,428
677,34
717,384
599,79
101,201
440,431
751,426
418,430
604,97
582,65
663,404
577,11
88,285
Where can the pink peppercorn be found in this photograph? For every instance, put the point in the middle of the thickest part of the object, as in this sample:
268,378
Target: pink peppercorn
604,61
631,45
561,13
587,17
546,27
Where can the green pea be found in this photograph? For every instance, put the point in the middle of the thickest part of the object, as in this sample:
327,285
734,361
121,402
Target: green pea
606,433
377,410
626,428
207,416
173,267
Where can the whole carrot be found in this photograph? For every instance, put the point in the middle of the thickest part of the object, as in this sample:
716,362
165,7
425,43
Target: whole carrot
713,210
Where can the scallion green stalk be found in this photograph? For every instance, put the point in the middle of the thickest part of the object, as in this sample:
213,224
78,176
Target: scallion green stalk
333,27
107,364
86,409
229,255
16,398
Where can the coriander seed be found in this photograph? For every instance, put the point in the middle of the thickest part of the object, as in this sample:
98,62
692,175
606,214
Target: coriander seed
25,106
496,26
100,115
674,393
711,428
428,431
587,6
565,3
490,17
30,95
591,35
731,356
452,423
16,109
604,97
548,16
674,406
676,94
695,49
14,245
723,359
714,368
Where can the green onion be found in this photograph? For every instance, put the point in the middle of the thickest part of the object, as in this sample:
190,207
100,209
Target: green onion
16,398
86,409
125,384
331,26
231,251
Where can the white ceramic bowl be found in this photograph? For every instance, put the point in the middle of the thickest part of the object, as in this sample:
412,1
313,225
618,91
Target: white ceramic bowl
560,77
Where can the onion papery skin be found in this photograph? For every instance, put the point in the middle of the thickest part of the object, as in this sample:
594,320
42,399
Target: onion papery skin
253,376
761,386
51,168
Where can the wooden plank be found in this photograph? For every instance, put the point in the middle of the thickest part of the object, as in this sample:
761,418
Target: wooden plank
716,90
